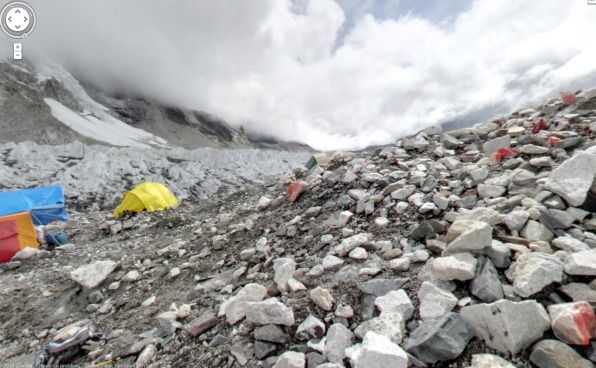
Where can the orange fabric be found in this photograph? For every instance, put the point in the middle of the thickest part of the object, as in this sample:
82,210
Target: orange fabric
9,240
25,228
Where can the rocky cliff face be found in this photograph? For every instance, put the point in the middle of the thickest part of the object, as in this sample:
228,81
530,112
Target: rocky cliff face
47,105
472,248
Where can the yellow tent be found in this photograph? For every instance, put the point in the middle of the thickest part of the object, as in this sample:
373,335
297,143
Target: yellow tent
148,197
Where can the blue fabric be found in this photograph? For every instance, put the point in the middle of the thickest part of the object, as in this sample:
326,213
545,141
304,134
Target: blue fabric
45,204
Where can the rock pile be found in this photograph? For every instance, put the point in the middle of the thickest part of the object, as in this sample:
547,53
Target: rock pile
474,248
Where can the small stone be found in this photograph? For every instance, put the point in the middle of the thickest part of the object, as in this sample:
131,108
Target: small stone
570,244
312,327
392,253
476,235
440,339
535,231
573,323
92,275
379,287
264,202
486,285
146,356
242,351
379,352
489,361
322,298
338,338
490,191
516,220
205,322
381,222
271,333
396,302
291,359
352,242
284,269
131,276
461,266
331,263
400,264
269,311
264,349
555,354
358,253
234,308
391,325
434,301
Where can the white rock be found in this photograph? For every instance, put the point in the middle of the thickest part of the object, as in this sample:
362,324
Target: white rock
331,263
291,359
573,179
234,308
352,242
377,351
476,236
396,301
358,253
581,263
534,271
131,276
390,325
284,269
322,298
434,301
93,274
461,266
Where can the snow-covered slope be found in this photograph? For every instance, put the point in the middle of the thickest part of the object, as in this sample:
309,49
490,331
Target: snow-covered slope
104,129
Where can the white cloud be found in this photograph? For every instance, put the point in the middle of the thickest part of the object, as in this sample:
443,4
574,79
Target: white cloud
263,65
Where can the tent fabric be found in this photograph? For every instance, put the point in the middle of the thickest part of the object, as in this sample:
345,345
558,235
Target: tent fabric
45,204
16,232
27,235
148,197
9,240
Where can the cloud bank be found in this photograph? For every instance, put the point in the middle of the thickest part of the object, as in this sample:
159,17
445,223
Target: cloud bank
288,68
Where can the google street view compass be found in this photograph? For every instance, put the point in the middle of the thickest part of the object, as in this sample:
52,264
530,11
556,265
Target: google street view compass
17,19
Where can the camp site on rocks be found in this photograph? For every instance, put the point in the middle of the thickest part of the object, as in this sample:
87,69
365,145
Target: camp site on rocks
468,248
298,184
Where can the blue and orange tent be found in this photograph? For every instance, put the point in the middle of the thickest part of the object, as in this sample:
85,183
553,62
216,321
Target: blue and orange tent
20,210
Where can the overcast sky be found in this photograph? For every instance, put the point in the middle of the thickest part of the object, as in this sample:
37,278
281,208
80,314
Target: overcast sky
333,74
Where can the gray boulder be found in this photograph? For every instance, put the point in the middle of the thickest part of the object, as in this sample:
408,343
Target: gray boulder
440,339
507,326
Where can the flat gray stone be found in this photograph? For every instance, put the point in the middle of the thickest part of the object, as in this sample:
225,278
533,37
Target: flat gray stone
573,179
535,231
337,340
486,286
440,339
269,311
476,235
507,326
555,354
460,266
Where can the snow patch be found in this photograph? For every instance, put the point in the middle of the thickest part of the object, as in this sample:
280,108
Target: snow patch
105,129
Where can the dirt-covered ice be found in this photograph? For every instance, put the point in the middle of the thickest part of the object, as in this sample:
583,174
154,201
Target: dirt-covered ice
98,175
